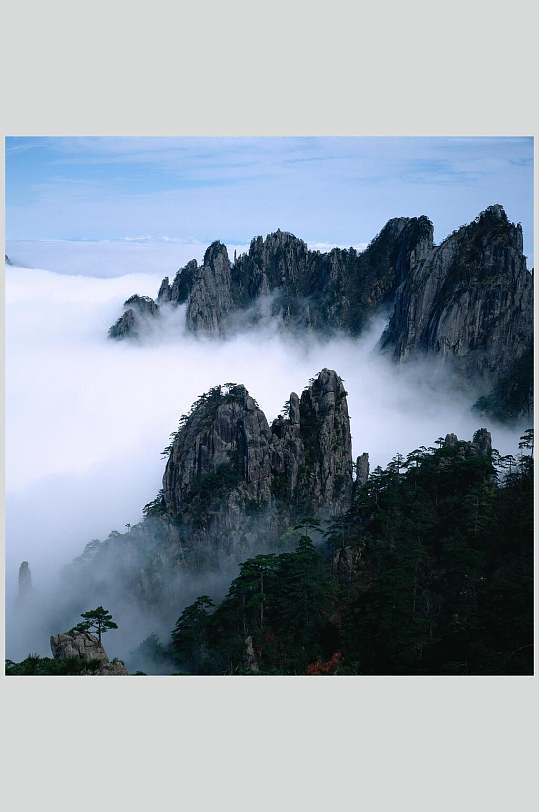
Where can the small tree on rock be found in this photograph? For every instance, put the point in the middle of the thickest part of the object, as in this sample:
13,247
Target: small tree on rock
96,620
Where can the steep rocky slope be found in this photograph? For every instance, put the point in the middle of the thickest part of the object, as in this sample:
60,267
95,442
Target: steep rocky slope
470,301
233,484
137,309
302,288
467,301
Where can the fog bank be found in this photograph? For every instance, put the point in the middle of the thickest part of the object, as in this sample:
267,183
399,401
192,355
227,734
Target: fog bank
87,417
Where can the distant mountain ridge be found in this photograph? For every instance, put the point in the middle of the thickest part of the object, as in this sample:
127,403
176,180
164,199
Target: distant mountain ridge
468,301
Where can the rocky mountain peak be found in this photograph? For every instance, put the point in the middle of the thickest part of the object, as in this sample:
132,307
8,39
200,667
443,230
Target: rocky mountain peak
216,252
325,431
312,290
164,293
222,446
210,299
483,441
480,444
182,284
494,212
25,581
226,464
137,310
469,302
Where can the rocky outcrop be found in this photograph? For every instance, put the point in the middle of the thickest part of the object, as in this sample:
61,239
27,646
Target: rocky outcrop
331,291
230,476
210,299
251,661
233,486
480,445
347,561
178,292
469,301
362,469
138,309
25,582
325,292
84,646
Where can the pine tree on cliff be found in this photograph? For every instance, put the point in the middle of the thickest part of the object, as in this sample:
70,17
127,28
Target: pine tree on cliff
97,620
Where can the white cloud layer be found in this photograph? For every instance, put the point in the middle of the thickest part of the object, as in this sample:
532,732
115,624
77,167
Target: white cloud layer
87,418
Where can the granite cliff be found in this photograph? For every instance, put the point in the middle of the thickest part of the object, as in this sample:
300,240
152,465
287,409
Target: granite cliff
303,289
86,648
233,485
470,301
467,301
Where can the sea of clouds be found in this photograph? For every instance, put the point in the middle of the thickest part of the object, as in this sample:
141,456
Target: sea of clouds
88,417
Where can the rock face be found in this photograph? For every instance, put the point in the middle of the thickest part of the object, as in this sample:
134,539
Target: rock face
362,469
137,310
230,478
326,292
481,444
232,486
331,291
469,301
25,581
84,646
177,293
210,297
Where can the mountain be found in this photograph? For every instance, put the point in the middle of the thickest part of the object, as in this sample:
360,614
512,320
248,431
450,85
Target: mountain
424,567
430,571
467,302
137,308
233,485
470,300
303,289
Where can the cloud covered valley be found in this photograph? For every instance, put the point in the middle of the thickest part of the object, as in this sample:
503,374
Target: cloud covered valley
87,417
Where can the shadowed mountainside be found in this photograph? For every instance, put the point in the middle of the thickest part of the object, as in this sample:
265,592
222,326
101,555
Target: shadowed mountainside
467,301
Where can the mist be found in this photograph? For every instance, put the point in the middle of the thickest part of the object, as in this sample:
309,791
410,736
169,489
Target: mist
87,417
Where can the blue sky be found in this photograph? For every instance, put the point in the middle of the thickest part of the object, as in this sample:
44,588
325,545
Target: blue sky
334,190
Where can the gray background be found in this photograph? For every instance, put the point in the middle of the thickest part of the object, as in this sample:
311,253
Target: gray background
280,68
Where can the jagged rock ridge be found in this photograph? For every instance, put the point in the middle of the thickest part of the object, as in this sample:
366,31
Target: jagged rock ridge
226,455
470,300
330,291
137,310
467,301
233,484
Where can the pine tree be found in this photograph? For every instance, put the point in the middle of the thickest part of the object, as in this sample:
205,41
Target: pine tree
98,620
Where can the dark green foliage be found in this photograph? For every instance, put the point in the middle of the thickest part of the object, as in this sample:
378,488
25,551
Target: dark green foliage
156,507
446,566
97,620
150,657
281,601
513,393
190,636
430,572
34,665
